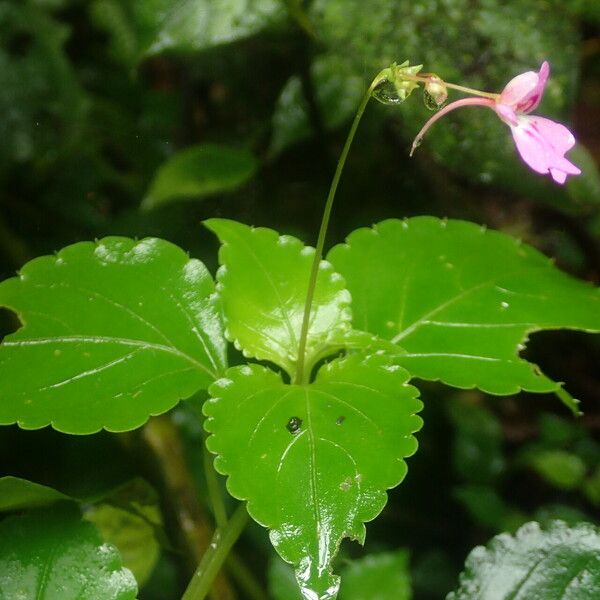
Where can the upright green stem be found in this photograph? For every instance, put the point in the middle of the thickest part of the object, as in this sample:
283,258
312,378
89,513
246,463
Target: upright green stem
301,377
214,491
213,559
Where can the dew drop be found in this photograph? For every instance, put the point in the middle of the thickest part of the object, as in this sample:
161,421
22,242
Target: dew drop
504,305
294,425
340,420
387,93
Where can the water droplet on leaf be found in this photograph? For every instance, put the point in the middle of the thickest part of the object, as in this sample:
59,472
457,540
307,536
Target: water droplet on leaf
294,425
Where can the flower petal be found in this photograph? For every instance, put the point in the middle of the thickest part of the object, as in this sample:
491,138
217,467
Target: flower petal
542,144
524,92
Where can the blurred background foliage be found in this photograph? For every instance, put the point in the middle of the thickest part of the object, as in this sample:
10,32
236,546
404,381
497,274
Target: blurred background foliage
144,117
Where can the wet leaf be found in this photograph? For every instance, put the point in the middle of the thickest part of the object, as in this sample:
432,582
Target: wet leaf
263,282
461,300
198,172
118,330
52,553
318,457
554,563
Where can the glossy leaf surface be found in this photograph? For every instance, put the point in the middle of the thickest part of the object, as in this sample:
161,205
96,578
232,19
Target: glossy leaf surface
194,25
200,171
118,330
52,553
460,300
317,458
557,563
263,282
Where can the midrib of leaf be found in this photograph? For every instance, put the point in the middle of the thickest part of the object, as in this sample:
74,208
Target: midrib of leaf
420,321
313,473
284,315
110,340
140,318
45,574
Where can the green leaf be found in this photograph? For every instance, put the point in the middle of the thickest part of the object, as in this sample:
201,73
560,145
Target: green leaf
584,189
317,458
118,330
461,300
562,469
383,576
477,446
17,494
198,172
338,93
557,563
282,582
130,518
51,554
196,25
263,282
487,507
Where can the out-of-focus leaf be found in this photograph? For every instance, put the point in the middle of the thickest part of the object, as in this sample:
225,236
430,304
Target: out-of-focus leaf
317,458
338,92
557,563
556,431
41,103
51,553
282,581
118,330
585,188
129,519
18,494
263,281
200,171
477,449
547,513
486,507
383,576
194,25
562,469
110,16
461,300
506,37
591,488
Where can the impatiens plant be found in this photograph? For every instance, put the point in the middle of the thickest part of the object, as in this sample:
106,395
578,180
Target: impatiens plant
314,428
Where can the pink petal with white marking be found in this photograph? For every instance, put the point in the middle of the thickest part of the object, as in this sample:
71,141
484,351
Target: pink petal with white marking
542,144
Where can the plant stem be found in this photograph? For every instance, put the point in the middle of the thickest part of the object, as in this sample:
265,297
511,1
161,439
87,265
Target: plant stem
244,577
214,491
461,88
213,559
312,281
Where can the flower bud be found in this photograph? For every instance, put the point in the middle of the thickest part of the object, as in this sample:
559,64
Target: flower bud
435,93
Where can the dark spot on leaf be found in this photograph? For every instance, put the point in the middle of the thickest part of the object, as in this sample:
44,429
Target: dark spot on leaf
340,420
294,425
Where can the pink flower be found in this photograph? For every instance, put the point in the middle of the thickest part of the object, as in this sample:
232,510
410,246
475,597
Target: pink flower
542,143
